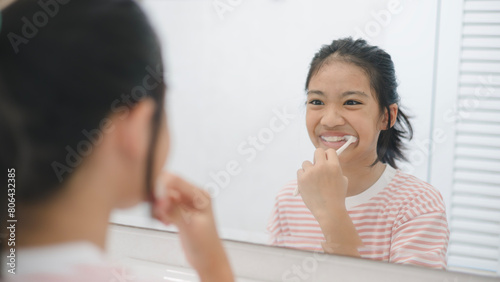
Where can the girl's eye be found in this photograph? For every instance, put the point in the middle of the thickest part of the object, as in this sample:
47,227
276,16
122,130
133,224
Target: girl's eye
316,102
352,103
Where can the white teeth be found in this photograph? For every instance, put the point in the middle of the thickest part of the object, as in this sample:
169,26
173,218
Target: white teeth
334,138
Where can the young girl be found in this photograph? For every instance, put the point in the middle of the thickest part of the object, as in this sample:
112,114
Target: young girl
358,203
83,132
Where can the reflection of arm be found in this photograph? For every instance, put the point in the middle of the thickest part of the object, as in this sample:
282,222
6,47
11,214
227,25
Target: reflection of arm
323,188
421,235
339,231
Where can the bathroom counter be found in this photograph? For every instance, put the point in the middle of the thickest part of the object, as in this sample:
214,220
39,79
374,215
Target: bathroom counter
158,254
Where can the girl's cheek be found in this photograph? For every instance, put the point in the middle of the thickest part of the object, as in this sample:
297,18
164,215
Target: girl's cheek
312,121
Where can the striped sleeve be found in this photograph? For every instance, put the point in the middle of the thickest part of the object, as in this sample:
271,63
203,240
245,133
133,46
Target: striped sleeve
421,235
274,225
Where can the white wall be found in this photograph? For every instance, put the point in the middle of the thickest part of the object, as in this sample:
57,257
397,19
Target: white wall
229,73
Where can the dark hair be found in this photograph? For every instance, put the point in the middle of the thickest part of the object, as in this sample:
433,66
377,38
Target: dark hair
65,67
378,66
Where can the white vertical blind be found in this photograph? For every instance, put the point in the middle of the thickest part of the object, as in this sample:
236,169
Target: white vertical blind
475,201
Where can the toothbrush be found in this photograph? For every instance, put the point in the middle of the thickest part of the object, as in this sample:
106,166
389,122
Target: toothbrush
350,139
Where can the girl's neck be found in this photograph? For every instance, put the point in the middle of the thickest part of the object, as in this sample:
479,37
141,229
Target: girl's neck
361,177
57,230
43,227
75,214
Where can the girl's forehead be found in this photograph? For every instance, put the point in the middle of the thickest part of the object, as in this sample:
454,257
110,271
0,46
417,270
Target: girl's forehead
336,78
341,69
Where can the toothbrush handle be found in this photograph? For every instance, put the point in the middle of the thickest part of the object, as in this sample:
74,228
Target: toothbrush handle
341,149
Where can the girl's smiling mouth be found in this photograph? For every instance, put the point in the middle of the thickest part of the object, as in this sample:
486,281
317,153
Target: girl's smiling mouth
334,140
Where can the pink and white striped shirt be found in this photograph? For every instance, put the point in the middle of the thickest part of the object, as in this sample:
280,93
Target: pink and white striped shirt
400,219
68,262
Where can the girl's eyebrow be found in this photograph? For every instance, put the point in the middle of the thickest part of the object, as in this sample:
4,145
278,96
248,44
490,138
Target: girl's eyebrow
347,93
355,92
315,92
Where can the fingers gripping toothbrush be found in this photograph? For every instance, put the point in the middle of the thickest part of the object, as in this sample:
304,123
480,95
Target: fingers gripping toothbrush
350,139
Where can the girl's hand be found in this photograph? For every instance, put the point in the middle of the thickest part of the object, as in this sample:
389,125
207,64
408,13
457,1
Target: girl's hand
190,209
322,185
323,188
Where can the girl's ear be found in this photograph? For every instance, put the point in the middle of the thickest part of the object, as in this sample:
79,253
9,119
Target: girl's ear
134,130
393,109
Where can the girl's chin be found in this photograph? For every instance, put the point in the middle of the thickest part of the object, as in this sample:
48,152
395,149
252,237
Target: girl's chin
341,157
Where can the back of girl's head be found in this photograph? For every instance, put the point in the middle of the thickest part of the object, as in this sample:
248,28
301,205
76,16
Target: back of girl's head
64,67
378,66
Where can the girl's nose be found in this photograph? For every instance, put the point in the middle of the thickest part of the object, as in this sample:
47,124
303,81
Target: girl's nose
332,118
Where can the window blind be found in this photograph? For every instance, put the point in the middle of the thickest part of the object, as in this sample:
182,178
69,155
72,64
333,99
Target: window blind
475,202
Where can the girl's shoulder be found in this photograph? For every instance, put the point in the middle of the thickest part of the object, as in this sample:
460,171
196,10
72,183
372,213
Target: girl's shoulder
408,182
81,273
78,261
412,189
286,192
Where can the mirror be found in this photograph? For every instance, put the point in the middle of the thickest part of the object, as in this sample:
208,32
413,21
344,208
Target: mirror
236,72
